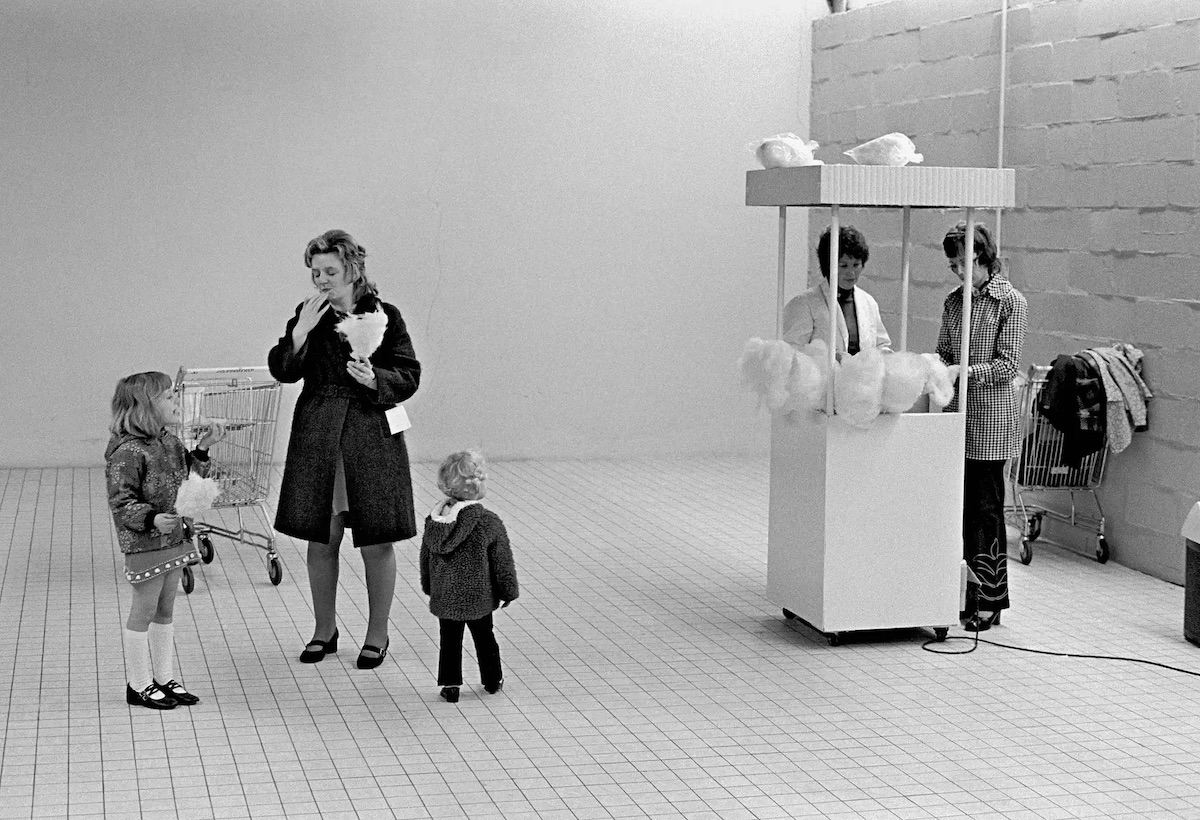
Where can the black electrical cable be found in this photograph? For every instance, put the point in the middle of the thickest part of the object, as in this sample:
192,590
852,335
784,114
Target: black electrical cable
977,640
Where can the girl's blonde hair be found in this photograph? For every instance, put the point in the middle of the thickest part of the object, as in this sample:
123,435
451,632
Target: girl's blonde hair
462,476
134,411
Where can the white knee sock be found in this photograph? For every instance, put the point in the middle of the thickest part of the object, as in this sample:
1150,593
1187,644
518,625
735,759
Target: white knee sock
137,660
162,649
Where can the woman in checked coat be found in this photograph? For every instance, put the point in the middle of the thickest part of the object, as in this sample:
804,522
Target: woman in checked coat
999,319
345,467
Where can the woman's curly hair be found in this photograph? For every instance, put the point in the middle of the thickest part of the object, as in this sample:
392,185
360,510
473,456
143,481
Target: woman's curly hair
353,257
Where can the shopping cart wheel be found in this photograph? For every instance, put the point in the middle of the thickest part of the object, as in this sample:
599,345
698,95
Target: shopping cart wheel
1101,549
1034,528
207,553
189,580
1026,553
791,616
940,633
834,638
274,571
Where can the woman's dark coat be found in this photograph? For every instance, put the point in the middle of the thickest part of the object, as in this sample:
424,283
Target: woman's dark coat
337,414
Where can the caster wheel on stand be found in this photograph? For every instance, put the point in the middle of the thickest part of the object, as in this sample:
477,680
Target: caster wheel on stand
189,580
274,570
940,633
1102,549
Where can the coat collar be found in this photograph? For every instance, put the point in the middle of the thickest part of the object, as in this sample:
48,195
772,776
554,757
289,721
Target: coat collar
998,287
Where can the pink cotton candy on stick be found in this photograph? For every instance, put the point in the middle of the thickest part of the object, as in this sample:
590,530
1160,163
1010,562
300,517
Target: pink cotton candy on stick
364,332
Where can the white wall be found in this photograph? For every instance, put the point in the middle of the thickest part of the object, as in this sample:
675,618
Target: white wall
551,193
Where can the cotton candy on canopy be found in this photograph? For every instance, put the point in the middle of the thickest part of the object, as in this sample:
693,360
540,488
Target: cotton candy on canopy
938,383
196,495
905,374
364,332
893,149
858,388
786,151
765,366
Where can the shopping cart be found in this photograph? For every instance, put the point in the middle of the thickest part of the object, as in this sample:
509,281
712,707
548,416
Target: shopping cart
246,401
1039,468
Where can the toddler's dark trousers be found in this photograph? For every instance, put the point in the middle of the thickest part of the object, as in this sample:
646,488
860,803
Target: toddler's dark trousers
486,649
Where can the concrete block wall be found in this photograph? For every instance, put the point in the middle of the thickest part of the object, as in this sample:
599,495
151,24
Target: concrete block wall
1103,106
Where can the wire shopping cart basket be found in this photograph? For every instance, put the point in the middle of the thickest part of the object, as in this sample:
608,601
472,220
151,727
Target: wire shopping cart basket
1040,468
246,401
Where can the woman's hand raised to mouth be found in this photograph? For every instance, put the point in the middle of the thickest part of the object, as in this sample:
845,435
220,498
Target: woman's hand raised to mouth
310,313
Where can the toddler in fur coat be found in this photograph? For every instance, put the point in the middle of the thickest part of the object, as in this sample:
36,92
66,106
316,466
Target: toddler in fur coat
467,570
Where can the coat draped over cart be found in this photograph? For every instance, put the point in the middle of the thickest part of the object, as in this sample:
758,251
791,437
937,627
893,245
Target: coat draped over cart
336,417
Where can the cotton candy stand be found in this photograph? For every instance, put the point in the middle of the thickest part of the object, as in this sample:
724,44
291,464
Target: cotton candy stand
865,529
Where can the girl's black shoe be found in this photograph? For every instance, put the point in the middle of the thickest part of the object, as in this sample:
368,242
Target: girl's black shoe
152,697
180,695
366,661
450,694
323,648
495,687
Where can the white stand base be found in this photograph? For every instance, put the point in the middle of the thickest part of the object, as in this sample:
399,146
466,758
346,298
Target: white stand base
866,525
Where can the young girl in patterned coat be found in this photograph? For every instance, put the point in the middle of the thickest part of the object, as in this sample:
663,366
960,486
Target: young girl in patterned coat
467,570
145,466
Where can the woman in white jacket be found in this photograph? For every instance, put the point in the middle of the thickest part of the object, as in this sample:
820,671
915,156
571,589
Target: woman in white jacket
859,325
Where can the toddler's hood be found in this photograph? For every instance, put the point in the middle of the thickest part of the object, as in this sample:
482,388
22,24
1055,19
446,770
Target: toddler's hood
450,524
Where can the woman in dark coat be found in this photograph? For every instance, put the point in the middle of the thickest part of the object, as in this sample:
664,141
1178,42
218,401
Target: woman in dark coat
345,466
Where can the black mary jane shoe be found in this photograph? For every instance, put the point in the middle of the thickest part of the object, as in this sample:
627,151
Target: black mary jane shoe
323,648
495,687
366,661
177,693
147,698
450,694
978,623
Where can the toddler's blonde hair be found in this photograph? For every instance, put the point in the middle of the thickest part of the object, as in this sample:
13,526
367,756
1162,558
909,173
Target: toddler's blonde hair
462,476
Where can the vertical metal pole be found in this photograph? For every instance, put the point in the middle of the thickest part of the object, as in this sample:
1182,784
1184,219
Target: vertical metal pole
834,309
1000,113
964,358
904,261
782,269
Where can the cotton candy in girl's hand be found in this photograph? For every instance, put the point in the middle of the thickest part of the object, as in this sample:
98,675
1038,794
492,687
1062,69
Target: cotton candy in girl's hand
938,384
196,495
905,374
764,366
893,149
364,332
858,388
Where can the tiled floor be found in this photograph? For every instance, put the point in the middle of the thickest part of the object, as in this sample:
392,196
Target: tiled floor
647,675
